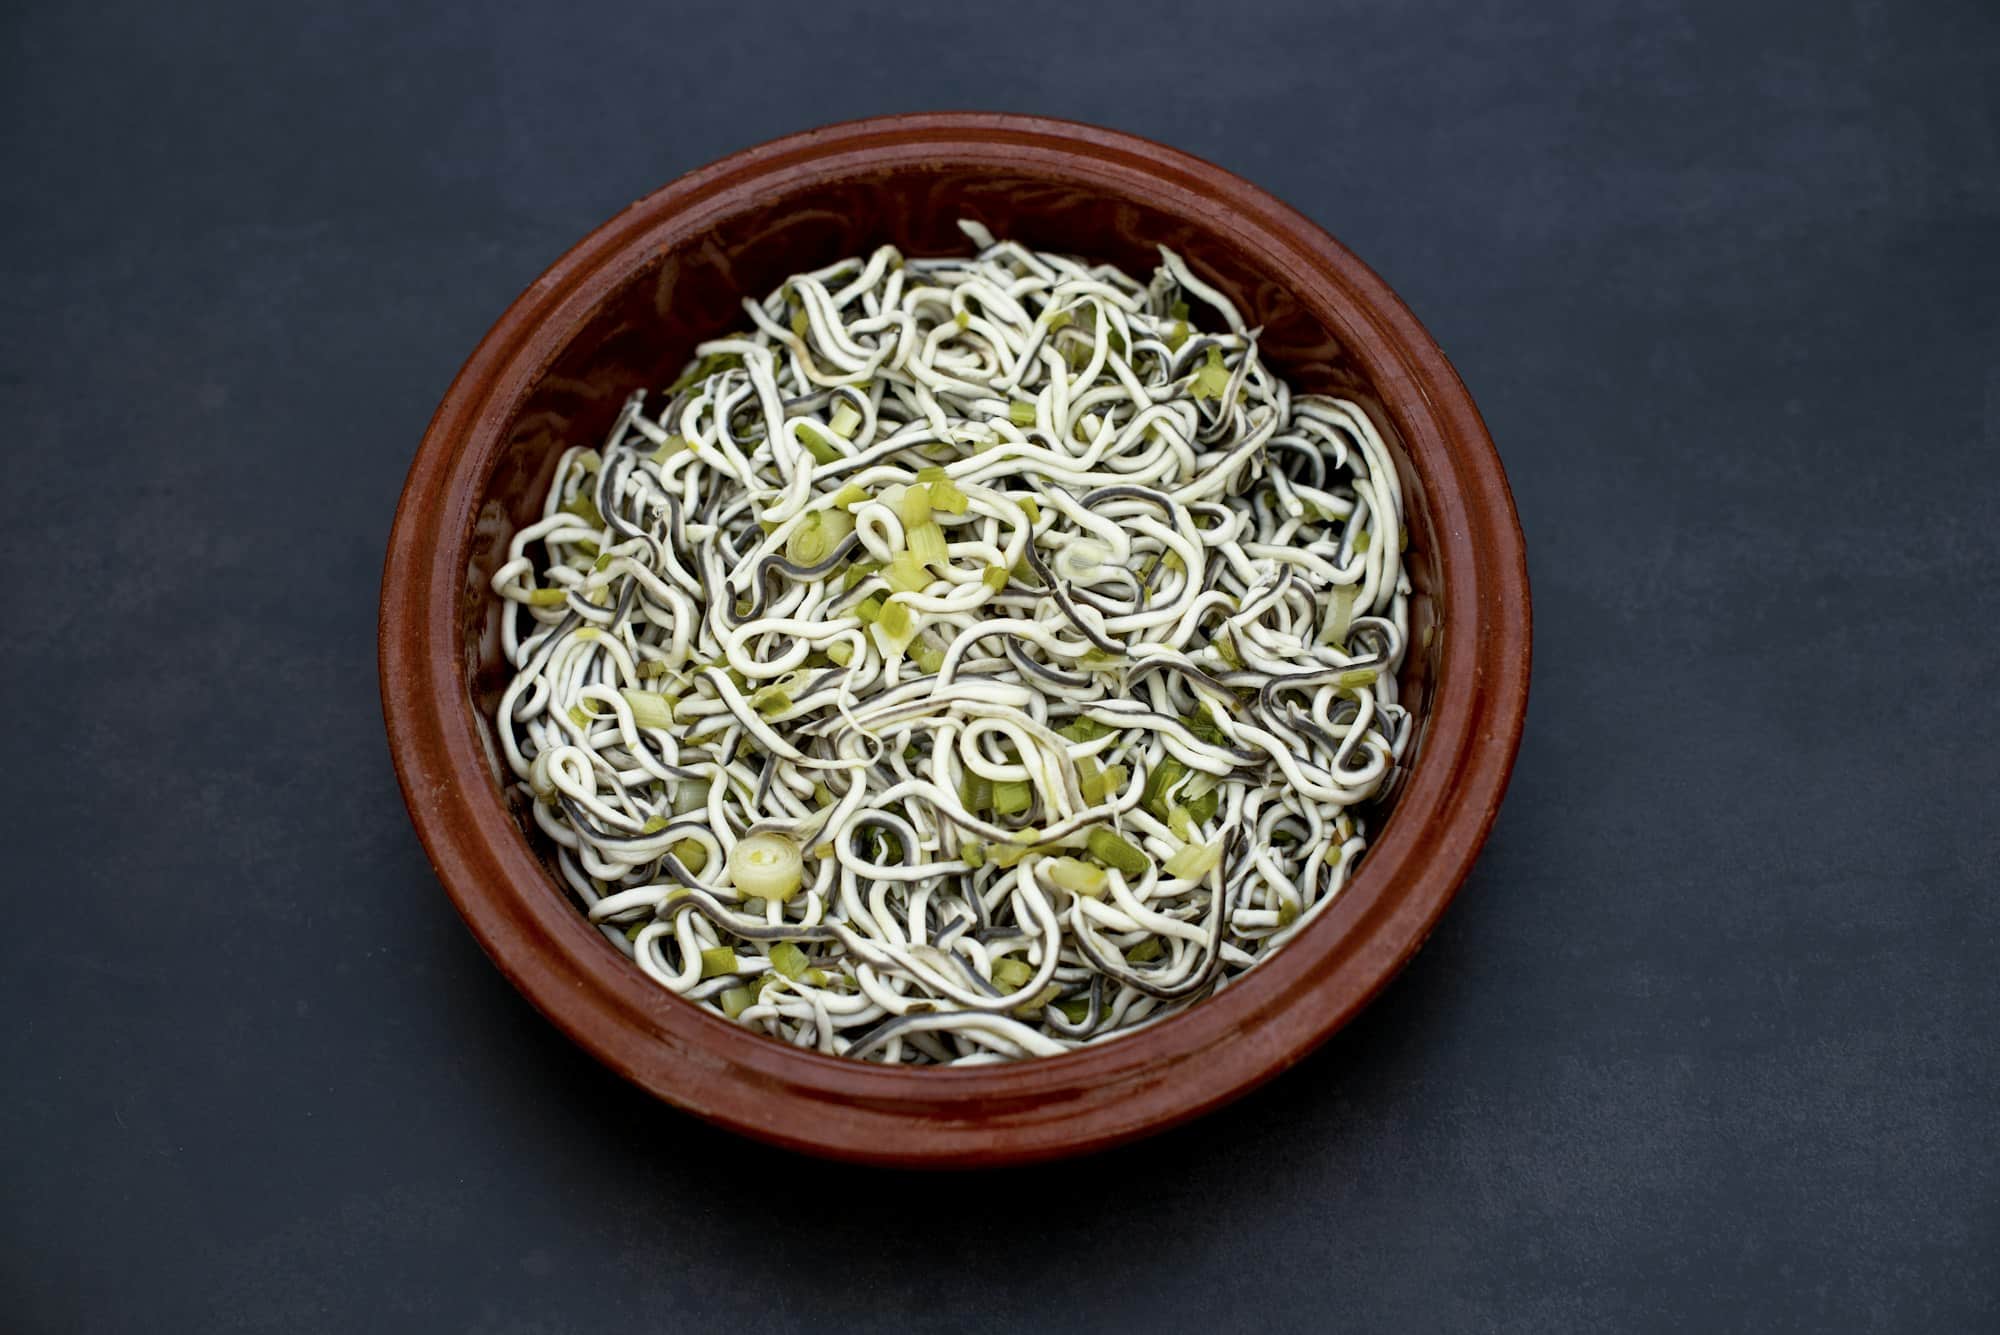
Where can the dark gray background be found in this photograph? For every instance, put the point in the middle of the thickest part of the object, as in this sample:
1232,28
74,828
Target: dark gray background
1710,1039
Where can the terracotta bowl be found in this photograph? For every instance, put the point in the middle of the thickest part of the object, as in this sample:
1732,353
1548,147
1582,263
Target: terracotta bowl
623,308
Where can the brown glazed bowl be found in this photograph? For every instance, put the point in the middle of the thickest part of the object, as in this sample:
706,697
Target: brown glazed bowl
622,310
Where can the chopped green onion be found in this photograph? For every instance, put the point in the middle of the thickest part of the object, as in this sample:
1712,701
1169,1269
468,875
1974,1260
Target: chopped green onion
948,499
1212,379
976,793
816,536
914,506
1012,796
1032,510
962,319
654,824
1008,855
1341,614
1160,784
841,652
1203,726
578,717
1076,1010
869,609
1084,729
1356,677
771,700
1191,862
927,656
1101,784
845,418
1090,778
547,597
894,630
1201,810
788,960
649,708
703,369
585,509
850,496
1011,974
973,855
1115,850
1181,821
717,962
927,544
1363,540
1032,1007
807,546
858,571
767,866
669,447
822,450
994,578
691,854
1060,320
906,574
1145,952
737,1000
1077,877
1096,783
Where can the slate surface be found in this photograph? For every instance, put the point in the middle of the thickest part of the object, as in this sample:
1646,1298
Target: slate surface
1708,1042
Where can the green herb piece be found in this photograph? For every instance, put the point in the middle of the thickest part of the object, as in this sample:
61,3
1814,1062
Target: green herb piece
1116,851
788,960
1078,877
1012,796
1212,379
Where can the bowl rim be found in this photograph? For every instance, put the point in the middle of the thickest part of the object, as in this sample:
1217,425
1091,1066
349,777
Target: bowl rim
1164,1074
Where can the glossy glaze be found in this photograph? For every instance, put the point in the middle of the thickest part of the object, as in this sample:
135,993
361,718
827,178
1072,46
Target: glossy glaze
623,308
